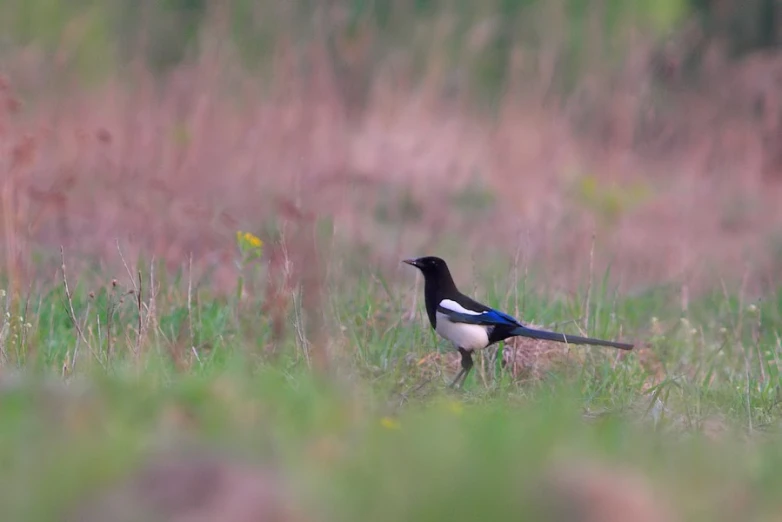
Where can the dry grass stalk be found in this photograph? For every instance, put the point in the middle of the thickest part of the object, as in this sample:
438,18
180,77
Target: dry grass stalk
75,320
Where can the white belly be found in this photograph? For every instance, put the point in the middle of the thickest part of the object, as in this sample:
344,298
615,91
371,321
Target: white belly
471,337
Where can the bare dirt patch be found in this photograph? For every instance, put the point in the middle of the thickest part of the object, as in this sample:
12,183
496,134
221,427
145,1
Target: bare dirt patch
194,488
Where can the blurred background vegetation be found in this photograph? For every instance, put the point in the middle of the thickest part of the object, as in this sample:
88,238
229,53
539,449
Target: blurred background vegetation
100,34
577,85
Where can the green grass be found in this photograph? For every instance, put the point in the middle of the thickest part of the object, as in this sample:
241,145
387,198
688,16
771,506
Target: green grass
375,440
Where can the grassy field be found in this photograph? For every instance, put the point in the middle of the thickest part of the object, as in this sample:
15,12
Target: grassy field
158,364
183,399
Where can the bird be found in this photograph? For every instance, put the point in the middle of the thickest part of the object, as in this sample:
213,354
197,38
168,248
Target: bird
471,326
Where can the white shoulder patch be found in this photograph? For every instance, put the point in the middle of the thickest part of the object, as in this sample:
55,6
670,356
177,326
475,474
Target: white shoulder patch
456,307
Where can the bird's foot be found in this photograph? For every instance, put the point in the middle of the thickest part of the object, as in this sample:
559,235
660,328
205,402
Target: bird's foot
459,375
467,365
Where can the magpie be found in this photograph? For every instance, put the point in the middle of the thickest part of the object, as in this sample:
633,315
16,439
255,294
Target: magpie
471,326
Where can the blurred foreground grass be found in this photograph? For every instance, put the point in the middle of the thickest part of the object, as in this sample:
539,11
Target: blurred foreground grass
683,429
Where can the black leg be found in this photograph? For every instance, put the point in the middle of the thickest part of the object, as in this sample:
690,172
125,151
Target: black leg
467,365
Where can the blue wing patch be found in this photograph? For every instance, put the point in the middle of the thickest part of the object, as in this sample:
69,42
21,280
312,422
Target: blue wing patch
498,317
489,318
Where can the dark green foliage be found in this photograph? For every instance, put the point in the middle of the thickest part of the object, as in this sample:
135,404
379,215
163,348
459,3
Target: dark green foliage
167,33
744,25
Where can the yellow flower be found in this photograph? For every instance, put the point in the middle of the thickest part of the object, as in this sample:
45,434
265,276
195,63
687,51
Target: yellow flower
455,407
253,241
389,423
249,242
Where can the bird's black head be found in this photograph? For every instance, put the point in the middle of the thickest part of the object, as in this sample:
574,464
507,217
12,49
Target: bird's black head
429,265
437,276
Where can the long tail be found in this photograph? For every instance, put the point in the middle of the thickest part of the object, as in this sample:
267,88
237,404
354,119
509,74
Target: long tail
563,338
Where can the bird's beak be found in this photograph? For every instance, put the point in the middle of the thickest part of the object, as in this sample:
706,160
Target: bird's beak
411,262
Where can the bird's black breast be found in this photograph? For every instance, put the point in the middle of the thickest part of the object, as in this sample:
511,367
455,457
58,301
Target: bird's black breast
432,298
